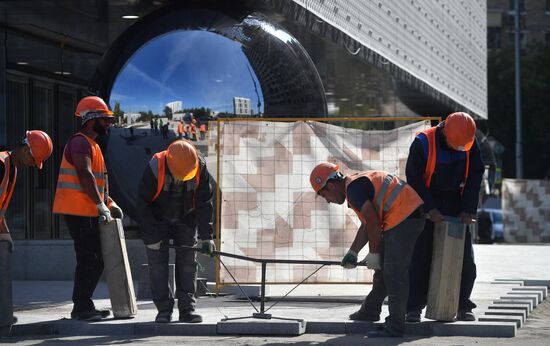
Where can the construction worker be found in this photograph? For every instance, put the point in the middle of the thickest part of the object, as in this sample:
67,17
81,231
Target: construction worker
180,129
82,198
174,201
34,149
391,217
445,168
194,129
202,130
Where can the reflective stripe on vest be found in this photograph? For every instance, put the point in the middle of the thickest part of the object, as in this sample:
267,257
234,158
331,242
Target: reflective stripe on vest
158,167
70,198
431,160
394,200
6,189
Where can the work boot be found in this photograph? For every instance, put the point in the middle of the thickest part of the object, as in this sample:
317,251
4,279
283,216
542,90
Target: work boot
413,316
89,315
190,317
364,315
103,313
465,315
164,317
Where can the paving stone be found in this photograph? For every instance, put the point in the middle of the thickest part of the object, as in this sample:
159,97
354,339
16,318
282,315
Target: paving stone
516,319
478,328
530,292
503,306
507,312
536,282
261,327
525,297
542,289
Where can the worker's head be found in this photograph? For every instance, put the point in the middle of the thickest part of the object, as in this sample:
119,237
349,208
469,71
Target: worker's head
328,182
94,113
183,160
459,130
35,148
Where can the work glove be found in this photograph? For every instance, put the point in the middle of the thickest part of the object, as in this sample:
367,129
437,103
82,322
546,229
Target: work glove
7,237
350,260
116,212
154,246
208,247
104,213
466,218
373,261
435,216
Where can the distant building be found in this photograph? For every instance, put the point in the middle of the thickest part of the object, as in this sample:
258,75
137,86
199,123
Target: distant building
534,23
242,106
131,118
175,106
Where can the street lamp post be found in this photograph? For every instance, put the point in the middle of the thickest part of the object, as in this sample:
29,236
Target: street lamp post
519,149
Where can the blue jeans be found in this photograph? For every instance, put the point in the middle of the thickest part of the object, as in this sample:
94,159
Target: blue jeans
420,271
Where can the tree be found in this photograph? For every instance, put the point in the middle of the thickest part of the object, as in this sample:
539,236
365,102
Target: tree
117,112
535,88
168,112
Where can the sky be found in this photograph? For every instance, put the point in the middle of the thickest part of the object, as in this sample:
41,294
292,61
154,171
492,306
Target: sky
199,68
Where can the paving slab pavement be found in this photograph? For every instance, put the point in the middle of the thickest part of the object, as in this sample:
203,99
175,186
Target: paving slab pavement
43,307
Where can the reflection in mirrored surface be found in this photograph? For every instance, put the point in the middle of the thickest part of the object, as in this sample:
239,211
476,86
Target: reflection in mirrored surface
173,85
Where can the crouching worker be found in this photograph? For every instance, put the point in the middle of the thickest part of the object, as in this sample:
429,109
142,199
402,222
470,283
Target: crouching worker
391,217
174,200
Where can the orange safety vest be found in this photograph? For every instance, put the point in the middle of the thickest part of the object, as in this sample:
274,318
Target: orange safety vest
6,190
193,128
180,128
70,198
394,200
432,158
158,166
202,128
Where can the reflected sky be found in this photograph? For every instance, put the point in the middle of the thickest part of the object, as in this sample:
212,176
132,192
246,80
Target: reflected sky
199,68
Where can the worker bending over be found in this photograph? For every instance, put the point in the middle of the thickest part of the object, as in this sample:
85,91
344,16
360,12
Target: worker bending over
174,199
445,168
391,217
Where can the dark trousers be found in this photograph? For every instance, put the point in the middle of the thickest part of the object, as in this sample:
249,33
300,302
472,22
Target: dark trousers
372,305
186,270
420,271
89,260
397,254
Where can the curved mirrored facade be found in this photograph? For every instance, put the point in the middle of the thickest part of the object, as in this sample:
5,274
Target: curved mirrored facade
250,68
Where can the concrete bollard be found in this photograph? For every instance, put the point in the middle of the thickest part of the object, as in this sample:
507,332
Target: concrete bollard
6,303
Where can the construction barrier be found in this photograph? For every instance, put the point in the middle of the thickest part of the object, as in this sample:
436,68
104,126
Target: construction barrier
267,209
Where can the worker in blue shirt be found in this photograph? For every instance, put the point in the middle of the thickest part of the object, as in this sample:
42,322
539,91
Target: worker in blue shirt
445,168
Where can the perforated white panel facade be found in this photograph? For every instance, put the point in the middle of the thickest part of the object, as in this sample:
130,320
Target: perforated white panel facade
440,42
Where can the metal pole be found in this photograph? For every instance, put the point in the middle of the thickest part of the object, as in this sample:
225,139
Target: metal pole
519,149
262,293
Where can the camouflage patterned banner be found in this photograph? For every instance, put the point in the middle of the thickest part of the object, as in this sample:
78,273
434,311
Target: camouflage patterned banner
268,208
526,210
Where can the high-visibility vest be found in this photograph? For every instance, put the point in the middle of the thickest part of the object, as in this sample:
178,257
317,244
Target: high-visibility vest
432,158
202,128
180,128
6,190
193,128
158,167
394,200
70,198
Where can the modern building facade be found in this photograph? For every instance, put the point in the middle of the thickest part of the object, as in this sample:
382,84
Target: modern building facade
338,58
242,106
175,106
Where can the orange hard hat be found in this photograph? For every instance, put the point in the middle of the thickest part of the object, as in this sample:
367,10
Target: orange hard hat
183,160
92,107
460,130
322,173
40,145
